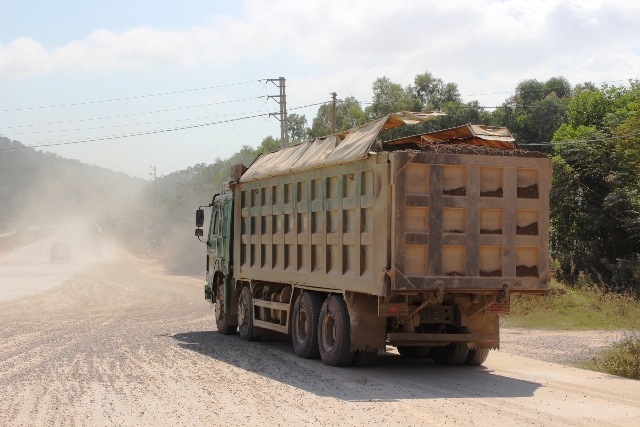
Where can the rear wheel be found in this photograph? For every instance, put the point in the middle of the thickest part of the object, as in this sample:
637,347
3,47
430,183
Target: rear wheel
411,352
334,334
223,319
454,354
248,332
477,356
304,330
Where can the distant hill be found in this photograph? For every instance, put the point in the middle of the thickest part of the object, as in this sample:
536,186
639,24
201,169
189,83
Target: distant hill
40,188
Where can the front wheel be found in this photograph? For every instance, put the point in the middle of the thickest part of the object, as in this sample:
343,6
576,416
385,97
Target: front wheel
248,332
223,320
334,333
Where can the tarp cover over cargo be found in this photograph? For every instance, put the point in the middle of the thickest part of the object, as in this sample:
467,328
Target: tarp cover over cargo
356,143
489,136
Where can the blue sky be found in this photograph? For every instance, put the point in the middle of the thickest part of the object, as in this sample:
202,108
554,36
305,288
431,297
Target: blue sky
69,52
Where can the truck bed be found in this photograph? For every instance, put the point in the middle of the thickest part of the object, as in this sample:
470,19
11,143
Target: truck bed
399,221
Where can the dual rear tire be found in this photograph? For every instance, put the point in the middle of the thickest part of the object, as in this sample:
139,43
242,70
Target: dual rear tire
321,329
334,333
304,329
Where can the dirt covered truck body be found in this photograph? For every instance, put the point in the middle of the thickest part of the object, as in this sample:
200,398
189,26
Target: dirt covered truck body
416,245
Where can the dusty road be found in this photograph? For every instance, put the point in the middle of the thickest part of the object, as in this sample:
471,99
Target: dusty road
121,343
27,271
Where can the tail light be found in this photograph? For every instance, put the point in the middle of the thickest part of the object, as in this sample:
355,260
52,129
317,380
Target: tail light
498,308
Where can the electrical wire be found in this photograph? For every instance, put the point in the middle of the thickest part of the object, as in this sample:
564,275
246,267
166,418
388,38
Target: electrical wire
535,90
136,124
581,141
134,114
129,98
254,132
229,131
151,132
144,113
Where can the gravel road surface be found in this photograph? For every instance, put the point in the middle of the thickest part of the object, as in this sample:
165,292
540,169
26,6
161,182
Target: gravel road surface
123,343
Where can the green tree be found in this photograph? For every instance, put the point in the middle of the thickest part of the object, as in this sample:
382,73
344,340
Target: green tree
529,91
606,107
389,97
536,110
560,86
595,204
349,114
587,108
297,128
433,93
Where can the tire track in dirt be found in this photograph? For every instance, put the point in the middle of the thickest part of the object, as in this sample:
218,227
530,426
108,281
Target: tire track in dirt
125,344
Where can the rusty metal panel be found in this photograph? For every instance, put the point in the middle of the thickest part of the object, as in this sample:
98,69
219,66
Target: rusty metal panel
323,228
470,221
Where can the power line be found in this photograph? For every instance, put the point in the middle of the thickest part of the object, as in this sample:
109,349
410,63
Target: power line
581,141
128,98
151,132
135,124
502,106
245,99
552,87
229,131
136,114
255,131
308,105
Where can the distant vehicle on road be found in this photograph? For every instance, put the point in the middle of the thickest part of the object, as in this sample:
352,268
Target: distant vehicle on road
60,252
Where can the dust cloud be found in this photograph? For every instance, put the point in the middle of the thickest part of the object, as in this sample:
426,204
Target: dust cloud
85,206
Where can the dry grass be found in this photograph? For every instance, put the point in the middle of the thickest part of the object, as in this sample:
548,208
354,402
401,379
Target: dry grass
623,358
587,308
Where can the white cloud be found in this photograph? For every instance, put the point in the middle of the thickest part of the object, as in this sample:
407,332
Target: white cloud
348,43
23,56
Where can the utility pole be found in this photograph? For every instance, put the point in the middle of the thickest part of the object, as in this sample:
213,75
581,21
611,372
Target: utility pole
282,100
155,185
333,112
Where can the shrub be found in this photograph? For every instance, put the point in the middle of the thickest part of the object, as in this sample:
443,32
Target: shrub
622,359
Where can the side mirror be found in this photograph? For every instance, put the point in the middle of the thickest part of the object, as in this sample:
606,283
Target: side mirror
199,232
199,218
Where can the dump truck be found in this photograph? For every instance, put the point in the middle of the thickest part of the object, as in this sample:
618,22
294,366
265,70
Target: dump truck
350,245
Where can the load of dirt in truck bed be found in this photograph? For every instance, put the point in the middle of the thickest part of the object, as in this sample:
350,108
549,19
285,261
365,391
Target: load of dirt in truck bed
457,149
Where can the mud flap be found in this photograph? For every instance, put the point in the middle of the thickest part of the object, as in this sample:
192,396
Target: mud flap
491,325
368,330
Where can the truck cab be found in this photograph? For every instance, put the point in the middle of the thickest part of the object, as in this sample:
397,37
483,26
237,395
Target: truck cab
219,261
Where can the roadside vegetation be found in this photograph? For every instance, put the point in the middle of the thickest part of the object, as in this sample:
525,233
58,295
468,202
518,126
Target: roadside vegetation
591,132
622,359
574,308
